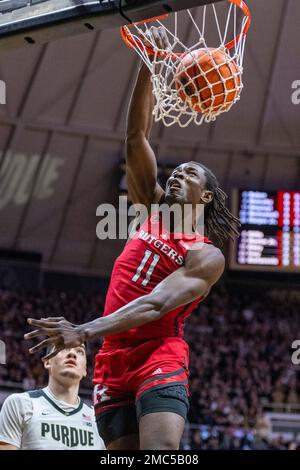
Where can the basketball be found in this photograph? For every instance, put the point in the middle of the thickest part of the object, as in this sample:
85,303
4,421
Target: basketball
208,80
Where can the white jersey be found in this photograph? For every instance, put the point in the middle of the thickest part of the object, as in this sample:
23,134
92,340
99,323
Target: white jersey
37,420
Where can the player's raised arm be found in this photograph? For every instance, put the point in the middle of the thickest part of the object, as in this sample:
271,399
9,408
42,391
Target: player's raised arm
194,280
140,159
141,166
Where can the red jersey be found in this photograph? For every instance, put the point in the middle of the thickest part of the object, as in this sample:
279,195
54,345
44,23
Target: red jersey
148,258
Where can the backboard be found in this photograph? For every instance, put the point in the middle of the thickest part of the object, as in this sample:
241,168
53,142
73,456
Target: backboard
26,22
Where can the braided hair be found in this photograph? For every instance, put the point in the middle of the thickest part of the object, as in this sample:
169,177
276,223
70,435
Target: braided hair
218,220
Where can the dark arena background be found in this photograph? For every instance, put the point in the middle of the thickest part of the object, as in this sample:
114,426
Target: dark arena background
66,80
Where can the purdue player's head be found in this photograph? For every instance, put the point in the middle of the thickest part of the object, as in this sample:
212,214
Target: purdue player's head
195,184
69,365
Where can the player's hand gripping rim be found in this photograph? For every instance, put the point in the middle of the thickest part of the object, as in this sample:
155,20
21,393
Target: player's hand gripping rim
157,38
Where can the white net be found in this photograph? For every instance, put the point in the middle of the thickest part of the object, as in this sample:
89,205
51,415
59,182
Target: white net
197,78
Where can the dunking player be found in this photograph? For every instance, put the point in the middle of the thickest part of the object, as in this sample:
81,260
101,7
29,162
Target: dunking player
141,371
52,418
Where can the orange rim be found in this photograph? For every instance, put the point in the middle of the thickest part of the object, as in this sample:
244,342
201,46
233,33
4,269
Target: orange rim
241,4
130,42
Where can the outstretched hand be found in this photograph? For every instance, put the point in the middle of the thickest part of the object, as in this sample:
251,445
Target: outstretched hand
61,334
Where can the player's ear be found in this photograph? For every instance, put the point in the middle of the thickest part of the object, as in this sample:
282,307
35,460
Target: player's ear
207,196
47,364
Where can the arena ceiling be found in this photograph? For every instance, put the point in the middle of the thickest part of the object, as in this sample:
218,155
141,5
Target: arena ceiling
62,134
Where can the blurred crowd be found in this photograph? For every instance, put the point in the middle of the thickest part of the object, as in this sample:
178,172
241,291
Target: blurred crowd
240,357
231,438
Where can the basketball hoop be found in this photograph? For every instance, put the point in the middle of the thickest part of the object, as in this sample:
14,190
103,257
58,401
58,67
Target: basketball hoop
194,80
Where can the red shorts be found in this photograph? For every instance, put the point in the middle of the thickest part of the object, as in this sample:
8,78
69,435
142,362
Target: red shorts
122,375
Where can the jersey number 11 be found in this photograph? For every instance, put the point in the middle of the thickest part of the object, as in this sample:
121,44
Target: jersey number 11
148,274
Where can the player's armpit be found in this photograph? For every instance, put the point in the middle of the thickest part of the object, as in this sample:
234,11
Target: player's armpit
206,262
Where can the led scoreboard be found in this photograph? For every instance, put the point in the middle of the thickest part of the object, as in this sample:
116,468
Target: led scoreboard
270,232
